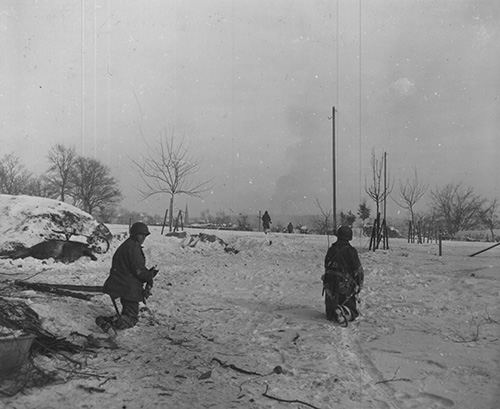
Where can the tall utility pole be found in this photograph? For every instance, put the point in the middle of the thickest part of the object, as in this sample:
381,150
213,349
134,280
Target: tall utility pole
386,239
334,174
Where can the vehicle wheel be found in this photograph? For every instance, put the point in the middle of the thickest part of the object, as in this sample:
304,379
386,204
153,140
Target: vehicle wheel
99,244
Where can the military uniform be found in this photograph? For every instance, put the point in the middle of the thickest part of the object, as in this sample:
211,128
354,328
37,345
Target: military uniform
127,275
266,221
343,278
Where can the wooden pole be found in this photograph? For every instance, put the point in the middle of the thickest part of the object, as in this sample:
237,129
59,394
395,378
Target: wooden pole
386,239
482,251
334,174
164,221
440,244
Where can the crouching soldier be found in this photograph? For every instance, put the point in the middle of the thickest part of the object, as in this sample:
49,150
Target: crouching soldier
343,278
126,278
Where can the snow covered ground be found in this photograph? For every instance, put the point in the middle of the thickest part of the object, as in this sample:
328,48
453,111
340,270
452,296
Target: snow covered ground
428,336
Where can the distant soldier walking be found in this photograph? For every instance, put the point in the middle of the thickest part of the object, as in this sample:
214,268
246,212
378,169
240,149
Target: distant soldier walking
266,222
343,278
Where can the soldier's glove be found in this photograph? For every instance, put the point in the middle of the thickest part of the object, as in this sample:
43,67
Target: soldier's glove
154,271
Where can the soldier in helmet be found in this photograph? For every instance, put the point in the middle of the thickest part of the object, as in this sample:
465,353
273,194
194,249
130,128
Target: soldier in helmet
126,278
343,278
266,222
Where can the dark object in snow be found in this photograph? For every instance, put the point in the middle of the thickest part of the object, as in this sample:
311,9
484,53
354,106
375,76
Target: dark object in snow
287,400
97,242
205,375
70,287
482,251
211,238
17,315
65,290
179,235
14,351
237,369
60,250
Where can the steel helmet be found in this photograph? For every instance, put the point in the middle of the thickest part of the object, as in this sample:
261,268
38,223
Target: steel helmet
139,228
344,233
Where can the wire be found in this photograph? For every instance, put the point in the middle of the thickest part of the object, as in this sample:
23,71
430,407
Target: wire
83,76
360,101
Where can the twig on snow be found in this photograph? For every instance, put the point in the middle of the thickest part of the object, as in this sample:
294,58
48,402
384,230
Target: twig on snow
91,389
474,337
287,400
51,350
234,367
277,370
393,379
87,374
488,318
109,378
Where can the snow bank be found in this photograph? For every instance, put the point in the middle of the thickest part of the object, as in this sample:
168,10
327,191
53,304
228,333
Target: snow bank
28,220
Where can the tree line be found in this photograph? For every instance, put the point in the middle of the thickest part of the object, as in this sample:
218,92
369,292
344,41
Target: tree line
82,181
451,208
166,169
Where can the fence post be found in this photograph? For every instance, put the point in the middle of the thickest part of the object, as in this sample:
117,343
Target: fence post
164,221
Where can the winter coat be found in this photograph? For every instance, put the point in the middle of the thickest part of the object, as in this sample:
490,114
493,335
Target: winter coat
341,252
128,272
266,220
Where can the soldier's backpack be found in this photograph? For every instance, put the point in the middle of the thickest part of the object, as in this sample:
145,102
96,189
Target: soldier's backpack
338,276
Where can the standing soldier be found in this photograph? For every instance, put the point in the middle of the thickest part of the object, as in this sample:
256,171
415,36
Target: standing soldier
266,222
343,278
126,278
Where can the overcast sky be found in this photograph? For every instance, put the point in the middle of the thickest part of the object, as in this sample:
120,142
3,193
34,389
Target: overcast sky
250,87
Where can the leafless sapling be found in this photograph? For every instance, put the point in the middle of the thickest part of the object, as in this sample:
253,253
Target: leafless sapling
168,169
410,192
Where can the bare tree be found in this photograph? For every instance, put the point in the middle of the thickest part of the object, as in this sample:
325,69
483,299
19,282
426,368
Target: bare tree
322,223
14,178
410,192
92,186
169,170
377,192
457,208
58,175
490,217
37,186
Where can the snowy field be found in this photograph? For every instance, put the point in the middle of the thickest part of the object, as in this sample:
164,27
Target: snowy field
428,336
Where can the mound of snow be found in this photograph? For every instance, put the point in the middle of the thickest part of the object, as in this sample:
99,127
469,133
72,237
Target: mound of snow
28,220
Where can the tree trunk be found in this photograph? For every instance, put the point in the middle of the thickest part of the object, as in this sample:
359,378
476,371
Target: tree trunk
171,212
